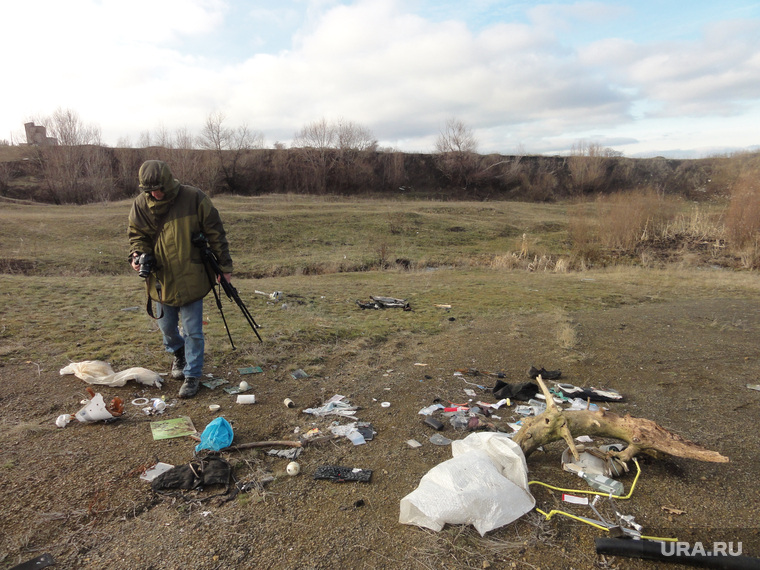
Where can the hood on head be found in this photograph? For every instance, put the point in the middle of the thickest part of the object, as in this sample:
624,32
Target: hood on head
156,175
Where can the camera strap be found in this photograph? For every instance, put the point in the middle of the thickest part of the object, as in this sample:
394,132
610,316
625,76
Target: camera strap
149,306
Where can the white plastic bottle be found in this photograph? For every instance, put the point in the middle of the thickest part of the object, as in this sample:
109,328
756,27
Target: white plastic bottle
603,484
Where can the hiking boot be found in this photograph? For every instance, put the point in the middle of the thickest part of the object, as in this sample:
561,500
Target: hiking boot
178,365
189,387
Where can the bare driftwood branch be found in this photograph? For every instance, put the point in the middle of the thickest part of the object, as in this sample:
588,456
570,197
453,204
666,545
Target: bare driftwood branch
641,435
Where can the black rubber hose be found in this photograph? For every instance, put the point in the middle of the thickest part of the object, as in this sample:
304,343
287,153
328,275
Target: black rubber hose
653,550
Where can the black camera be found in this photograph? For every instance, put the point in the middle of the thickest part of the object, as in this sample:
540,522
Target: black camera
146,262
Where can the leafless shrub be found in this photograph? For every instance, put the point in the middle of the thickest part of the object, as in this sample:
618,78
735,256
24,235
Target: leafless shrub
743,220
743,215
588,164
627,218
583,232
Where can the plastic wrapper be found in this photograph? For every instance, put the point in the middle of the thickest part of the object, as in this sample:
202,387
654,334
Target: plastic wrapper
217,435
484,484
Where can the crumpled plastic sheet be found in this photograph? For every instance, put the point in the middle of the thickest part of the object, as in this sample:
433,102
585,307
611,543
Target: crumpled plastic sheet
99,372
335,406
485,484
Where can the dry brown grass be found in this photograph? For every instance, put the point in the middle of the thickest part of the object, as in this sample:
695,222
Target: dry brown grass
626,219
743,221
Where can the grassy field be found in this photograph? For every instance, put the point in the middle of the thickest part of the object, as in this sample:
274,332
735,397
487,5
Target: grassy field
672,323
68,293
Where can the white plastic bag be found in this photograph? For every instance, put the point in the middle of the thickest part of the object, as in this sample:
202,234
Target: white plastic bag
99,372
485,484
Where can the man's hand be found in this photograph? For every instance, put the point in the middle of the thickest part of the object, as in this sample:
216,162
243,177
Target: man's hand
227,277
133,261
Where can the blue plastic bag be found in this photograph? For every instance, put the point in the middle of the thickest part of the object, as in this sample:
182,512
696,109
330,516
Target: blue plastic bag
216,436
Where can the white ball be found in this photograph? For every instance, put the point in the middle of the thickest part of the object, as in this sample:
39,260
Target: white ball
244,385
293,468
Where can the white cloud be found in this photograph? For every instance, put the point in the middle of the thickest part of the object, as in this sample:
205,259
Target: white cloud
532,76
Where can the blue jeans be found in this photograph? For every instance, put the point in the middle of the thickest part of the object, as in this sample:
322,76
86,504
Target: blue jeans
191,338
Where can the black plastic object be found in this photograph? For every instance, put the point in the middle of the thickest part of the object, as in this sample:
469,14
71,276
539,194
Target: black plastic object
40,562
341,474
434,423
523,391
544,373
653,550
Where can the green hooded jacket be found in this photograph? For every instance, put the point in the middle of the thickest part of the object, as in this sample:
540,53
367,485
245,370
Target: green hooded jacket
165,229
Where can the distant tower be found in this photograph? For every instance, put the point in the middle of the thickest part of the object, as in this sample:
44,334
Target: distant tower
37,135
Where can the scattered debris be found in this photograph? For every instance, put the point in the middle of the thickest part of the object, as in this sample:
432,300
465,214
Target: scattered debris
156,470
42,561
384,303
291,453
214,383
216,436
342,474
534,373
63,420
274,296
206,471
335,406
523,391
433,423
593,394
430,409
438,439
237,389
246,399
96,409
251,370
299,374
175,427
754,387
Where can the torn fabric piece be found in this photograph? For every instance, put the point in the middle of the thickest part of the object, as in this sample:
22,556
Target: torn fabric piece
99,372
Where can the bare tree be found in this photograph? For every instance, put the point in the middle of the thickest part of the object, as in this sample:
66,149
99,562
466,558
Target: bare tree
68,128
78,169
229,145
330,147
456,137
456,148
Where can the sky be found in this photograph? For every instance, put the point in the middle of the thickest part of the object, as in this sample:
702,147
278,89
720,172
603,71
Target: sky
642,77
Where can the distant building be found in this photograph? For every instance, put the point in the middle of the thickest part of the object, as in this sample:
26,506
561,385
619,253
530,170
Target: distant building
36,135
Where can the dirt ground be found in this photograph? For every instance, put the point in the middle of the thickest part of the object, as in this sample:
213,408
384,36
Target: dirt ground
76,492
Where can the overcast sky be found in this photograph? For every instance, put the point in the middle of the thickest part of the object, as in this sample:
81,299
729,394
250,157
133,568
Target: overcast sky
643,77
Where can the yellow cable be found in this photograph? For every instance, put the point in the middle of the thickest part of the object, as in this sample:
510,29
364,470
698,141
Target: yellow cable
628,496
551,513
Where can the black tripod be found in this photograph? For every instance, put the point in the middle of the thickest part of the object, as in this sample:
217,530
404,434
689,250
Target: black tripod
212,268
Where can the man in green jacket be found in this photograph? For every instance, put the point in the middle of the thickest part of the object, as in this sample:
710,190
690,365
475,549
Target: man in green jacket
162,222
